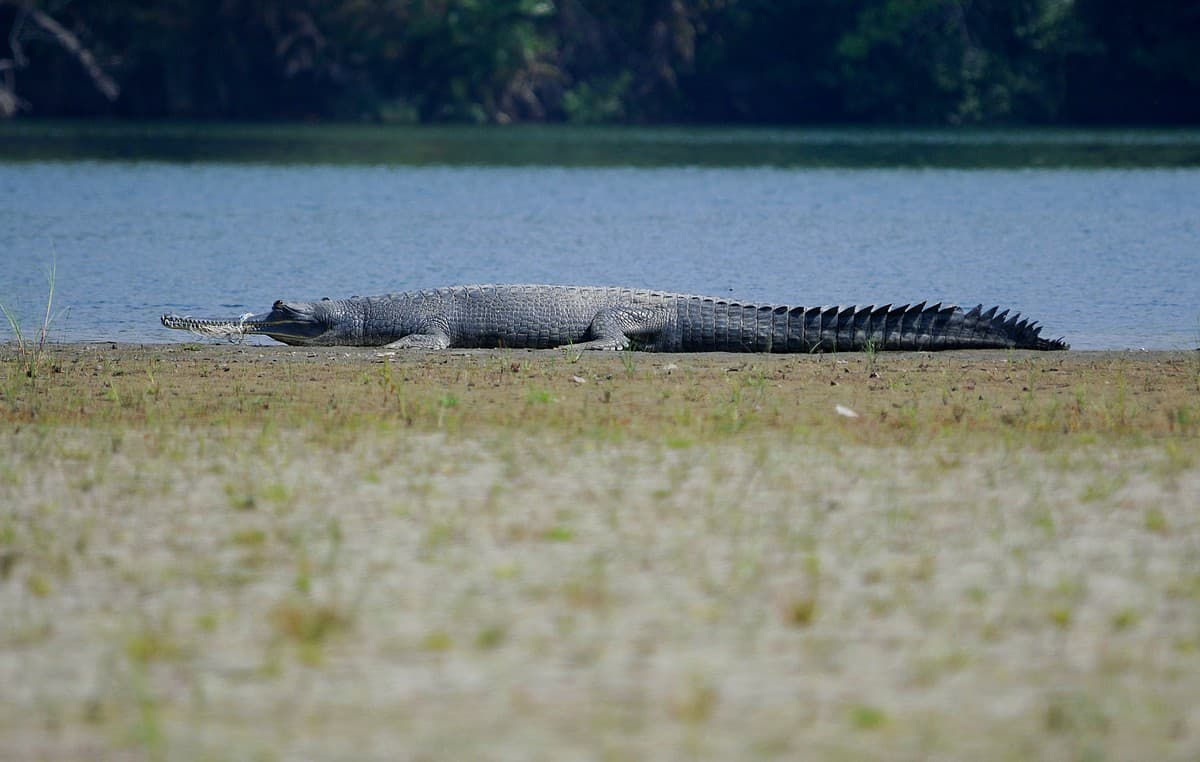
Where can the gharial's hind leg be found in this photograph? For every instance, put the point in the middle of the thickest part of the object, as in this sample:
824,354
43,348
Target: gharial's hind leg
430,341
616,328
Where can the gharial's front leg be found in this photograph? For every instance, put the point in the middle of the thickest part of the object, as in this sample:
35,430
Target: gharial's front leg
617,328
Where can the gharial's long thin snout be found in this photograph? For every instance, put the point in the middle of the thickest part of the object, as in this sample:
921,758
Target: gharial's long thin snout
289,322
214,326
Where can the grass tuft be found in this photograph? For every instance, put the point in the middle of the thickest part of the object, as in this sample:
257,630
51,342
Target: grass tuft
31,350
866,717
308,624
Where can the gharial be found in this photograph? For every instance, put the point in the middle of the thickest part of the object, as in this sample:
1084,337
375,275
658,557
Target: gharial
587,317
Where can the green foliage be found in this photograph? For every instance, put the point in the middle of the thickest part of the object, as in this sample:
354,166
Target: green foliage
974,62
598,101
589,61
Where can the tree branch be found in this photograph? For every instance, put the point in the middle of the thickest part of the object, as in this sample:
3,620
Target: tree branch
104,83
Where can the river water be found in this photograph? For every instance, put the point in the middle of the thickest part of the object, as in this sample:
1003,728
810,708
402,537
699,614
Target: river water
1106,256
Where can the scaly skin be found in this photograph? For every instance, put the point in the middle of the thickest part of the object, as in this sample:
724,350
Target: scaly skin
584,317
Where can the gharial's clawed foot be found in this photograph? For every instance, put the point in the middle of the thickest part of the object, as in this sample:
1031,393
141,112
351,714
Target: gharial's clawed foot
598,345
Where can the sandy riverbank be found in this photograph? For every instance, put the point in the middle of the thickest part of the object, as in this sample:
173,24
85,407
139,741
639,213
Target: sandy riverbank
266,552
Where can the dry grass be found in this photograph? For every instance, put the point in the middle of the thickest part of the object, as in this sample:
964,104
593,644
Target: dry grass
268,553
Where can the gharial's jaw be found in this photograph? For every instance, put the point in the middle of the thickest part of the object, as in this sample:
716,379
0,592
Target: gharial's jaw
297,323
211,326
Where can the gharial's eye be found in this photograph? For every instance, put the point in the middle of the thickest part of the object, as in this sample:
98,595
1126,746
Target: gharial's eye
278,305
324,298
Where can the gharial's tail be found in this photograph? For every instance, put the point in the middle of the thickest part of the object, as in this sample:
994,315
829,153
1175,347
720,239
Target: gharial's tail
1015,331
731,326
937,327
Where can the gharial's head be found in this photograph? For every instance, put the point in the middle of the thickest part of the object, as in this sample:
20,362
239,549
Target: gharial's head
322,323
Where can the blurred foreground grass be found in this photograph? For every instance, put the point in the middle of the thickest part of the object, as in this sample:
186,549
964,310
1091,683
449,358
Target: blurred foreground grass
271,553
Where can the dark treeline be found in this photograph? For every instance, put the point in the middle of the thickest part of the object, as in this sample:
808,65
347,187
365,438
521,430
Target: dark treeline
641,61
